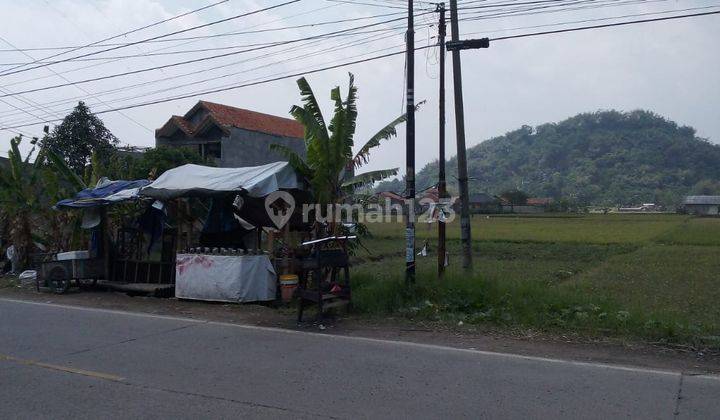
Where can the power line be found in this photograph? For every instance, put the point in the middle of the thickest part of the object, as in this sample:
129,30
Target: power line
591,20
561,2
361,3
127,32
606,25
252,80
377,57
28,102
284,60
129,118
205,58
200,37
294,48
205,25
312,24
321,51
152,53
542,7
196,60
192,40
262,82
98,44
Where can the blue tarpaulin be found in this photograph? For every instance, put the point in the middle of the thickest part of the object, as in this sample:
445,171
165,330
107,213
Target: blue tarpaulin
109,192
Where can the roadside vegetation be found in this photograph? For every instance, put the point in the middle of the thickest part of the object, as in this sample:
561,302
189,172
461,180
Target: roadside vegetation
72,156
652,277
7,281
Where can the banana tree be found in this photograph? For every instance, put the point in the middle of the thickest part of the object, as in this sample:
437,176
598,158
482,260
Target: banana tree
20,185
330,164
64,227
28,190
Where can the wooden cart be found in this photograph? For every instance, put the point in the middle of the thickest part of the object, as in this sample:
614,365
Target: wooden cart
59,275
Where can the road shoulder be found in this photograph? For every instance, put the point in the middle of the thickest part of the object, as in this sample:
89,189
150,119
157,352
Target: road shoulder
524,343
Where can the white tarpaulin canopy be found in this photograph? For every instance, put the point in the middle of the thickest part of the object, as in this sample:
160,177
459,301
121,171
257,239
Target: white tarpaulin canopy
198,180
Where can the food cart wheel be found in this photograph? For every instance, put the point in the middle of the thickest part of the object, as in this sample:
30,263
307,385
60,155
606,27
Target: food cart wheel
58,280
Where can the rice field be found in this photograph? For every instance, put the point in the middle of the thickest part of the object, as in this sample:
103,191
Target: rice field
650,276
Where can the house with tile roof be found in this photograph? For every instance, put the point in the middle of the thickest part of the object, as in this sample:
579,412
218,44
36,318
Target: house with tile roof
233,137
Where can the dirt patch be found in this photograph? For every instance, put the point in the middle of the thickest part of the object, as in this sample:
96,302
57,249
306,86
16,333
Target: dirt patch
530,343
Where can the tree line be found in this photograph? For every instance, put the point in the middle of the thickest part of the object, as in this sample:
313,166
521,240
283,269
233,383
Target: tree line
604,158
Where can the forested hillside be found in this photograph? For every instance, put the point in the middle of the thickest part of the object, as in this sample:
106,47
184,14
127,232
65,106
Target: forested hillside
601,158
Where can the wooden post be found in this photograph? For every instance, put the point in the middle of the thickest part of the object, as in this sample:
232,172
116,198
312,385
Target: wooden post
465,231
442,186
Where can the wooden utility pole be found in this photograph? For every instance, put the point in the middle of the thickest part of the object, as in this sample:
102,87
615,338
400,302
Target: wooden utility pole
410,150
442,185
465,234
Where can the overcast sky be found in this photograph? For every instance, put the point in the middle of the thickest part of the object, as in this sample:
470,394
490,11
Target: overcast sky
668,67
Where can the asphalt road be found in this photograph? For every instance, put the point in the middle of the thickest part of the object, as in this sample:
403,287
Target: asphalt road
65,362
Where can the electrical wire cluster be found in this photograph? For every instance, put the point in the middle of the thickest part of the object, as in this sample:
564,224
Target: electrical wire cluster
169,60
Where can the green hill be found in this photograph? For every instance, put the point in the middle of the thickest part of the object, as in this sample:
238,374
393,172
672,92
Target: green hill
601,158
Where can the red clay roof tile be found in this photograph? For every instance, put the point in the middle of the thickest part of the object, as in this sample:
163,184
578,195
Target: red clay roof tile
230,116
537,201
183,124
254,121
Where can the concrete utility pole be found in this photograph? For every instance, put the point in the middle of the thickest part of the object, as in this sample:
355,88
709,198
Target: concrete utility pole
442,185
465,234
410,150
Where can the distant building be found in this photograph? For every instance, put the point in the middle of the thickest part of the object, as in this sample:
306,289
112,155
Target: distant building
391,202
393,198
429,195
531,206
643,208
233,137
703,205
132,151
479,203
539,202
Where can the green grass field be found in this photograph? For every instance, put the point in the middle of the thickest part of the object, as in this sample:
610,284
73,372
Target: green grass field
651,276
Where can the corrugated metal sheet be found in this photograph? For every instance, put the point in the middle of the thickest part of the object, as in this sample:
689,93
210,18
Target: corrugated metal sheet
702,200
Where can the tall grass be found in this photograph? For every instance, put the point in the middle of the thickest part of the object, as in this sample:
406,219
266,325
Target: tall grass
478,299
649,276
695,231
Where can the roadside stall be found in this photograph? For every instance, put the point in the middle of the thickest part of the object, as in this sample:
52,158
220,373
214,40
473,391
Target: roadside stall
228,263
62,270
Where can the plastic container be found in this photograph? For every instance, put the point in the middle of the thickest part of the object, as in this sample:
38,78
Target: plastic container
28,278
73,255
288,285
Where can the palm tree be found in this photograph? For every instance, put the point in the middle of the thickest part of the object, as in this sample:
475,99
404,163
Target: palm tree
330,164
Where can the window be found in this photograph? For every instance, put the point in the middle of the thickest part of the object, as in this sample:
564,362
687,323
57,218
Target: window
210,150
